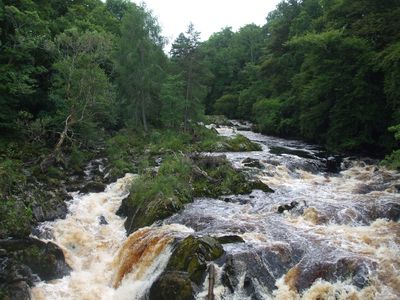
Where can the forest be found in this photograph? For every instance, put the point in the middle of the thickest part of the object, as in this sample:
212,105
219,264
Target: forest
87,79
77,76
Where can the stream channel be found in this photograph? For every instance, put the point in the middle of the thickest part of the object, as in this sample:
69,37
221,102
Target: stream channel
339,237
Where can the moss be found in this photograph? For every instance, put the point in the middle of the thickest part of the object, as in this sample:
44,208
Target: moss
158,208
217,120
155,197
226,180
44,259
172,285
192,254
242,144
230,239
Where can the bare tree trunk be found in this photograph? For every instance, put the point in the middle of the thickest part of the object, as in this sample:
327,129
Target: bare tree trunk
144,118
63,135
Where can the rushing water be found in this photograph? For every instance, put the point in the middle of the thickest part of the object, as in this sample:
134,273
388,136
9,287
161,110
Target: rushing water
340,231
105,263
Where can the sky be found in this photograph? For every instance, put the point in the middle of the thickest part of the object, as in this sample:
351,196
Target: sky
208,16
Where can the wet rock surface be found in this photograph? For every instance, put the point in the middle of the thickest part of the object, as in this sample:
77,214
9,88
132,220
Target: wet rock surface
187,268
93,187
192,254
172,285
26,261
336,224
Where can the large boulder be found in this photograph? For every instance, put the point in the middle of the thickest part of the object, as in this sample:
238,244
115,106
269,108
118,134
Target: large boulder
26,261
186,269
192,254
303,275
155,209
172,285
93,187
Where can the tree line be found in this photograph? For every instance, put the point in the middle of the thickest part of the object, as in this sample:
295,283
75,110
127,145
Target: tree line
326,71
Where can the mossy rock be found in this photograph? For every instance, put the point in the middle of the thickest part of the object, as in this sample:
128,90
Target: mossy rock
93,187
259,185
146,214
252,163
230,239
241,143
172,285
192,254
25,261
222,178
217,120
44,259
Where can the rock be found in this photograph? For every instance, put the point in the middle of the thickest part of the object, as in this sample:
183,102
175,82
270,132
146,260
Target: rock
241,143
102,220
26,261
259,185
172,285
230,239
265,264
153,210
44,259
333,164
298,152
390,211
186,269
287,207
252,163
93,187
302,276
192,254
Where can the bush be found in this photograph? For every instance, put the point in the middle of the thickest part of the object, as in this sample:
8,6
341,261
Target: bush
171,180
392,160
11,176
15,218
267,113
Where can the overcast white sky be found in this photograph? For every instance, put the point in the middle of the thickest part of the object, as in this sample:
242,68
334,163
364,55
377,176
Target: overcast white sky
208,16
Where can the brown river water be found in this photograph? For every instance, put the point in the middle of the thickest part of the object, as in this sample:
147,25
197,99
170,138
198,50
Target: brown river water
341,240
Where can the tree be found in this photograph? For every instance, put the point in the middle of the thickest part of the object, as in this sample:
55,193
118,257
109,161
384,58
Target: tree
139,64
173,101
187,57
81,89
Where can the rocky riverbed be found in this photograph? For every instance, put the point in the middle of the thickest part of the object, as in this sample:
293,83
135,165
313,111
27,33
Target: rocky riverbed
312,227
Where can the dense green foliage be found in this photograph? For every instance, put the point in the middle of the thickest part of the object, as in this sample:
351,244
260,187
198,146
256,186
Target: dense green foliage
326,71
80,76
72,74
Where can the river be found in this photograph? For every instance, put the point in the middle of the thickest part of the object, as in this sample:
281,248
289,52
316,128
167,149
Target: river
339,229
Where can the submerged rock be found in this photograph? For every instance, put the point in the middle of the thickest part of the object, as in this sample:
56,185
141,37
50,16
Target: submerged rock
252,163
333,164
303,275
229,239
266,264
102,220
288,207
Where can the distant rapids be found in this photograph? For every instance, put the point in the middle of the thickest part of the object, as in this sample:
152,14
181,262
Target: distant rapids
340,240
